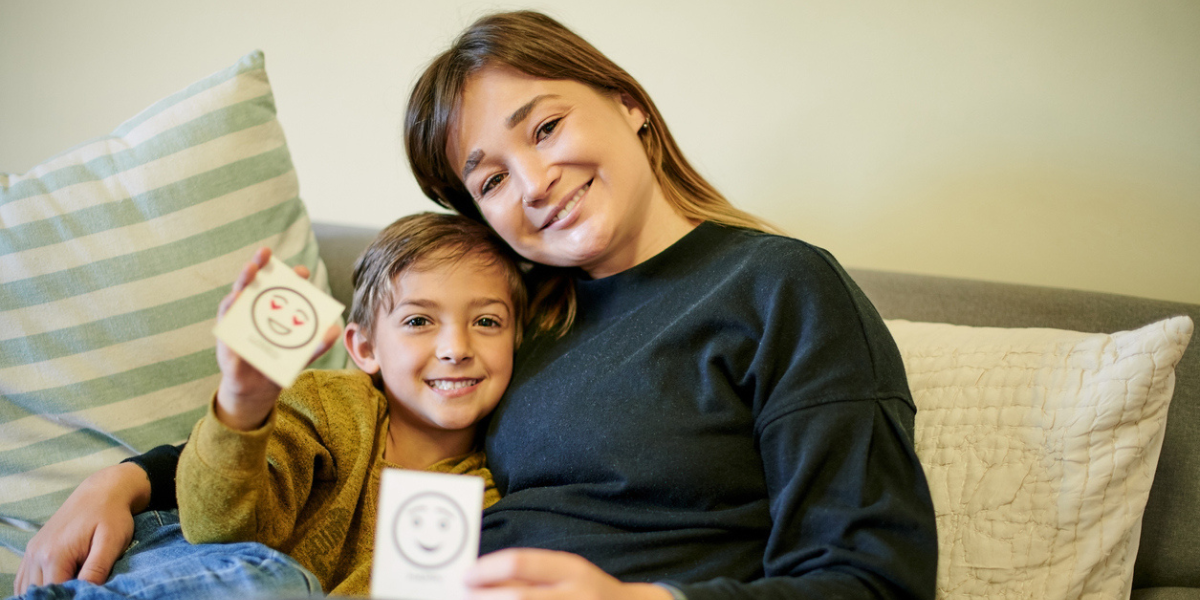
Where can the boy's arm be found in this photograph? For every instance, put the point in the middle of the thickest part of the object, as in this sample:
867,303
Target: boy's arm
252,485
223,480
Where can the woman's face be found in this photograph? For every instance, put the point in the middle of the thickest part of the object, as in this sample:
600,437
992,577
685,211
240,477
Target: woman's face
558,171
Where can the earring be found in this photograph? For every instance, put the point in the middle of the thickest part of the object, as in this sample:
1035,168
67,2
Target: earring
646,124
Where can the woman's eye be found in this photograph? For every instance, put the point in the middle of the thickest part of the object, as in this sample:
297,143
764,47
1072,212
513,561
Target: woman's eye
487,322
490,183
547,128
416,322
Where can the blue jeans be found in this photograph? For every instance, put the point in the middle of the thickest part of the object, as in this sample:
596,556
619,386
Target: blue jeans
160,564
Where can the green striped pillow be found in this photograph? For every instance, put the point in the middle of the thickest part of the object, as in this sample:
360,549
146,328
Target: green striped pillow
113,257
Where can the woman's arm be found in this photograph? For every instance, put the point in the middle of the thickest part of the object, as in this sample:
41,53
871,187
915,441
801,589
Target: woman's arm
850,509
158,465
87,534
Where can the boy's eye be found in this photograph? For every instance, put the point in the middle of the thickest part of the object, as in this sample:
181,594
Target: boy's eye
487,322
416,321
547,128
490,183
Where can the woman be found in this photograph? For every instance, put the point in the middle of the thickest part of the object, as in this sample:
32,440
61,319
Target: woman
709,407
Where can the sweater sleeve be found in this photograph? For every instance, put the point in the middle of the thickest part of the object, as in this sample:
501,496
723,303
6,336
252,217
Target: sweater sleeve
850,509
160,463
251,485
851,514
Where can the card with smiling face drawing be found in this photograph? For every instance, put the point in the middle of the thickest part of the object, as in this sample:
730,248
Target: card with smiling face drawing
278,322
426,534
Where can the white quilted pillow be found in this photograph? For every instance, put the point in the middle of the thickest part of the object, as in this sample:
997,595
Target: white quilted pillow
1040,446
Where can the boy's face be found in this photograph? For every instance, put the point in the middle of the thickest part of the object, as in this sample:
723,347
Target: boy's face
445,350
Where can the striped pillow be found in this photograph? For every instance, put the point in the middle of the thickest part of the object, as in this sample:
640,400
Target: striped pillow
113,257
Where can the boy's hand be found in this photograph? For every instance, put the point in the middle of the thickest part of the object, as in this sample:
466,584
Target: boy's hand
246,396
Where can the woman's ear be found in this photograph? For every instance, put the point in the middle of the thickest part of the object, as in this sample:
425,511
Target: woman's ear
361,350
632,111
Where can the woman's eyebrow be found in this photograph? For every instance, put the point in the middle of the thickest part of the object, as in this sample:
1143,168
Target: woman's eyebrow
512,121
472,161
520,114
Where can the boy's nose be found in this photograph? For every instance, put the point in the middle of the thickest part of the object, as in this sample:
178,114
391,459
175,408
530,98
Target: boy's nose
454,346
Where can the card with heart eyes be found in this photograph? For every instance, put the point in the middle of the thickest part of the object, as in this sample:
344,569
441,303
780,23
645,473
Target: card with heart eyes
278,322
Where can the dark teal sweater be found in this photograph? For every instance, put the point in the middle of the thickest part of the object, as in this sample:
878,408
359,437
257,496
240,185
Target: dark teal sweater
731,415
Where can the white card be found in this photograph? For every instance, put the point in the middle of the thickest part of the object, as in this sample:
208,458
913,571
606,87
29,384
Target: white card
278,322
426,534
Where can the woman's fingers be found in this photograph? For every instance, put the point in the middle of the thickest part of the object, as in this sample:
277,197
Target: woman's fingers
525,565
106,548
58,573
516,593
25,578
531,574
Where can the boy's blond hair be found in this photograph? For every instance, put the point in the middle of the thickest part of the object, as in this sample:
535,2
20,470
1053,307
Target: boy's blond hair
423,241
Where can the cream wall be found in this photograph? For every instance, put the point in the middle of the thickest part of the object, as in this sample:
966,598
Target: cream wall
1052,143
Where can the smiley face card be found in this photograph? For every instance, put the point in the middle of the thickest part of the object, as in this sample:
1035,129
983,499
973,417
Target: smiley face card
426,534
278,321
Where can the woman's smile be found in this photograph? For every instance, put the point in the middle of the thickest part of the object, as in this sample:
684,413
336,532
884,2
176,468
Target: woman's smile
559,217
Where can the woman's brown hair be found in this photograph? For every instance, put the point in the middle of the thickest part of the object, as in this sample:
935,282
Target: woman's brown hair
537,45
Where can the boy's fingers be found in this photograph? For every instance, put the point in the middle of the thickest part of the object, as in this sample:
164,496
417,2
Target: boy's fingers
226,302
262,256
302,271
258,261
245,277
332,335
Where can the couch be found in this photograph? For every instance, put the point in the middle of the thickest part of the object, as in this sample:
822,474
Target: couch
114,254
1168,560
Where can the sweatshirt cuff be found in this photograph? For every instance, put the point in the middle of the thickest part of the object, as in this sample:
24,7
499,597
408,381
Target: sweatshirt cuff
159,464
238,453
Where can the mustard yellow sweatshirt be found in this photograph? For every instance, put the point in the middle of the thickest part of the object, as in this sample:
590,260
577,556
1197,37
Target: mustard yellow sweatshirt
306,483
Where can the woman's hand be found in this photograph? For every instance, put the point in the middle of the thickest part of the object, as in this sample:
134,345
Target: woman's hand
245,396
87,534
528,574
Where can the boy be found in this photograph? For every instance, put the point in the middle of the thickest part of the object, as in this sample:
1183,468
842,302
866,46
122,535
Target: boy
437,313
438,309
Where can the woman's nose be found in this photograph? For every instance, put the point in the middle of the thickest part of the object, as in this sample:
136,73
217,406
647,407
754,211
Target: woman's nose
454,345
536,180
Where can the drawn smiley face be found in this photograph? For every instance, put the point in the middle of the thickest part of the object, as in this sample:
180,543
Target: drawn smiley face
430,530
284,317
